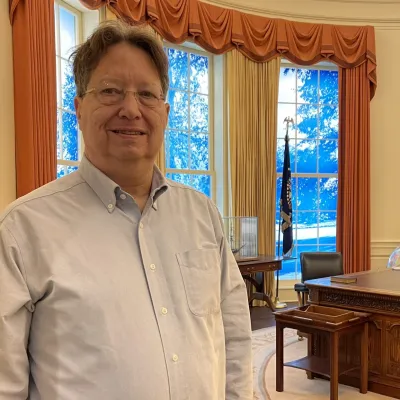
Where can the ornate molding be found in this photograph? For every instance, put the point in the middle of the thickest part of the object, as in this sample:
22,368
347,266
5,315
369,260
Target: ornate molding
387,22
356,300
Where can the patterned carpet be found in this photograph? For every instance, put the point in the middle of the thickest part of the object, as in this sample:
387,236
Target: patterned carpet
296,384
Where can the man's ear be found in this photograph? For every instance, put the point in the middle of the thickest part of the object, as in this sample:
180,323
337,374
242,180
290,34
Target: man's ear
78,104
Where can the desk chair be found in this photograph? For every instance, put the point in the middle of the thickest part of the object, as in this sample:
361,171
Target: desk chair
316,265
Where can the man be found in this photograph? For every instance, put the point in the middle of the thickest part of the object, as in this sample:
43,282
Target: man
116,283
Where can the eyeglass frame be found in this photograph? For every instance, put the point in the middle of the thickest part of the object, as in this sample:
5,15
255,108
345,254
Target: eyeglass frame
124,93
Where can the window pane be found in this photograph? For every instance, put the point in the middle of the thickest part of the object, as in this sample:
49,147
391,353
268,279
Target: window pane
198,74
328,87
181,178
287,85
179,113
328,156
289,269
307,86
286,110
177,149
329,122
178,69
199,151
306,248
327,229
306,156
68,86
307,192
307,228
328,193
70,136
199,113
67,32
307,121
61,170
201,183
71,169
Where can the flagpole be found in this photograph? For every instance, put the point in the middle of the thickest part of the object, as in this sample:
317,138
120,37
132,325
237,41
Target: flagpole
277,303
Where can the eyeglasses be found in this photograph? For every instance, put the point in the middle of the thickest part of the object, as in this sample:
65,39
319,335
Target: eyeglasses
112,95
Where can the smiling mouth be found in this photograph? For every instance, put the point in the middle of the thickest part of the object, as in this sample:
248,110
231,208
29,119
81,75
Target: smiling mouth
127,132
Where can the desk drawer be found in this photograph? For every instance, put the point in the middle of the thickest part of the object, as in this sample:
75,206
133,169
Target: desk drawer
249,269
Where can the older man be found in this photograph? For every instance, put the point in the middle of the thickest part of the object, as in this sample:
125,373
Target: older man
116,283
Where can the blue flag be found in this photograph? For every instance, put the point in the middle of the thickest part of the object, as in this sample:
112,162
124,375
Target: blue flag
286,203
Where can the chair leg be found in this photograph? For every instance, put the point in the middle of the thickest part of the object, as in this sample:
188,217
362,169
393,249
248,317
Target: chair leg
305,299
299,299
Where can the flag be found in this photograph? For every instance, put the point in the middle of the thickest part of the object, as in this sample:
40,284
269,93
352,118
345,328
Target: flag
286,203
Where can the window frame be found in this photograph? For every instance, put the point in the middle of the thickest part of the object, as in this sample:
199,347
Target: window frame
324,66
189,47
79,35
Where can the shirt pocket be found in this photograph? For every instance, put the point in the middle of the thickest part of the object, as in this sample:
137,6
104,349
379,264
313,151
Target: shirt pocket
200,269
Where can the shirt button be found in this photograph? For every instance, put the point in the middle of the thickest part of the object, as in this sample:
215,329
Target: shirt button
164,311
110,206
123,196
152,267
141,226
175,358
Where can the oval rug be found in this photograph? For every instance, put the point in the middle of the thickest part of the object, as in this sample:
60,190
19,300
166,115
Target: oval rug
296,384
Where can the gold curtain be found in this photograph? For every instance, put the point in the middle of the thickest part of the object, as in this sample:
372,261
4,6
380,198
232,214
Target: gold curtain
253,108
160,160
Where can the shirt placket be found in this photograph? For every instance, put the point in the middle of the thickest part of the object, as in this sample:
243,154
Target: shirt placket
163,309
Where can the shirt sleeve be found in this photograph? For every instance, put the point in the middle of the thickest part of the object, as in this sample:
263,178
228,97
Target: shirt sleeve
15,318
237,327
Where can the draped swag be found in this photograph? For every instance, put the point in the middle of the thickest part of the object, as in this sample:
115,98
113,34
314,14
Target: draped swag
259,38
35,92
262,39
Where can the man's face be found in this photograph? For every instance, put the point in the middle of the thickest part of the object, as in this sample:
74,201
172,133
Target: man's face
127,130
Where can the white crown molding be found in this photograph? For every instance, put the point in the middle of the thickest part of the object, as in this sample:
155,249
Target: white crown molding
390,22
381,2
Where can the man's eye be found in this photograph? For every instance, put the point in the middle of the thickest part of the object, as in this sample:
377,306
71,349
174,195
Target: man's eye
147,95
111,91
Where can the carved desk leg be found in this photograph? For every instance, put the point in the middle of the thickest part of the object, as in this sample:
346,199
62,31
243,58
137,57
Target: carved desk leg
334,362
279,357
364,360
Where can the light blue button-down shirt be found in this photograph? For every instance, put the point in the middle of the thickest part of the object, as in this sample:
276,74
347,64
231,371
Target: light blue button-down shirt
99,301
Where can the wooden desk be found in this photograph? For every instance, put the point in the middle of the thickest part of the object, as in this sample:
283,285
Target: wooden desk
377,293
262,263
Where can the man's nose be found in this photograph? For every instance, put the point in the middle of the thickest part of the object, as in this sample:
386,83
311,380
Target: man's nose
130,107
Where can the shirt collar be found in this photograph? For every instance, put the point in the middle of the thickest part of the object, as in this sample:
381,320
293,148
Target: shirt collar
105,188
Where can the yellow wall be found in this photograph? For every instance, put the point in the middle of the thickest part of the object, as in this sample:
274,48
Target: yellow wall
7,159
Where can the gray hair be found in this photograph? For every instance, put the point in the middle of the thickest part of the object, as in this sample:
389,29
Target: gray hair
87,56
